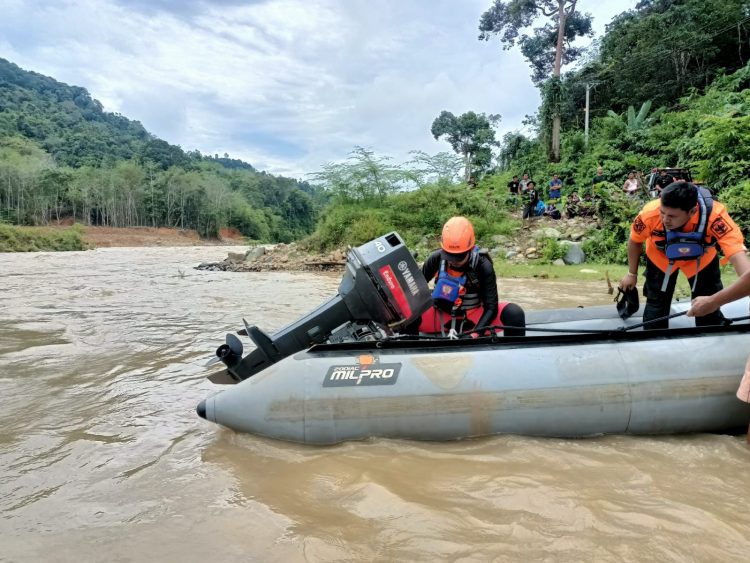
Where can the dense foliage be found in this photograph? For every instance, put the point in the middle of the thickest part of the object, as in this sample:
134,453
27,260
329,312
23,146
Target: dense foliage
418,215
63,157
671,84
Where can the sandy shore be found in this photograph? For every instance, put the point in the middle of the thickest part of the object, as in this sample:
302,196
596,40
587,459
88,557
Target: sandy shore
103,237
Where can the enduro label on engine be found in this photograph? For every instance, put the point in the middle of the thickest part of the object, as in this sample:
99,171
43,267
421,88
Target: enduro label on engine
352,375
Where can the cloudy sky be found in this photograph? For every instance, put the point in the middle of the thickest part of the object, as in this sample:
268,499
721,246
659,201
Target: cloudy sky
286,85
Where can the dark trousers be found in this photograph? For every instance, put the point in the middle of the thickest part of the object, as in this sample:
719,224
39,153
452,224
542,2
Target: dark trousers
658,302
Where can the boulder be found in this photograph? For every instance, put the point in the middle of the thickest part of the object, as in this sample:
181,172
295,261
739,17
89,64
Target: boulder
547,232
574,254
559,262
510,254
236,257
255,253
499,239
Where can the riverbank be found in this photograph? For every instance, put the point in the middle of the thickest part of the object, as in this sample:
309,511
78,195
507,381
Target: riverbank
82,237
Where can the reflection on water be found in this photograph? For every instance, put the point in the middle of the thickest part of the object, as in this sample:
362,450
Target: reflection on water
103,457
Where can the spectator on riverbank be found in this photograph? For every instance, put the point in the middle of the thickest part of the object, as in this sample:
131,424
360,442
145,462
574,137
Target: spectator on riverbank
530,199
573,206
599,176
513,186
630,187
523,182
552,211
555,186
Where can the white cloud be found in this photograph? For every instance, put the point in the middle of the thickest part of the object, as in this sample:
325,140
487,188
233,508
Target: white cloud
284,84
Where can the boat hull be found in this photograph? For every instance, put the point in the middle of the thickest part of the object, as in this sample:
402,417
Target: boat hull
558,387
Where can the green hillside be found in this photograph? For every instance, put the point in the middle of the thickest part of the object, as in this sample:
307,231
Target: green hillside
62,156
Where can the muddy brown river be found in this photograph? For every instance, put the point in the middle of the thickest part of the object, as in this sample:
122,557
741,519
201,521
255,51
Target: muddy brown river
102,457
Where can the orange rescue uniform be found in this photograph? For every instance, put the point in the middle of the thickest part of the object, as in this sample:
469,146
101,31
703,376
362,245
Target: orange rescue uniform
648,228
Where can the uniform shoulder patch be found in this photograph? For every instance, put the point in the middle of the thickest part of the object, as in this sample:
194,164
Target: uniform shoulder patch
719,227
638,225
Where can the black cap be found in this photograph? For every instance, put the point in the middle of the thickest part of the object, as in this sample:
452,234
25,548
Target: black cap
627,302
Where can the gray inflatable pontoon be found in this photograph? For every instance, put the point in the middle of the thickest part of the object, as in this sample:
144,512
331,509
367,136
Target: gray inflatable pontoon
590,378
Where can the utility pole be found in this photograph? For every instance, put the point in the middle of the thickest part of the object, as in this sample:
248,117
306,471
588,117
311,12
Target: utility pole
586,126
589,85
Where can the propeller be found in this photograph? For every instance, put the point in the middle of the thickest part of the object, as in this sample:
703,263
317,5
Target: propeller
230,353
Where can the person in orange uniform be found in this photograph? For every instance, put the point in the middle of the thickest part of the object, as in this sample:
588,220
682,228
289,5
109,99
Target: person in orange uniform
465,286
682,230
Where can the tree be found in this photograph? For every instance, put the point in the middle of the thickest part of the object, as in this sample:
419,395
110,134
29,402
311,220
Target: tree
471,135
443,168
364,177
548,47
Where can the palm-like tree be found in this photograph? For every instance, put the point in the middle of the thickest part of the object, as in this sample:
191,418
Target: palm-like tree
640,121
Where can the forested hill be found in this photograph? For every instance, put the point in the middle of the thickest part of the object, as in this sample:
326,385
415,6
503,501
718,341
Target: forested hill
62,156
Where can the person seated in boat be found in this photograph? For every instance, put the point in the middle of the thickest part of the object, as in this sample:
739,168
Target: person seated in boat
465,295
681,231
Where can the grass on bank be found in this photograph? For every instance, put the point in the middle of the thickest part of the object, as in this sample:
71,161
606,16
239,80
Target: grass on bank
34,239
583,272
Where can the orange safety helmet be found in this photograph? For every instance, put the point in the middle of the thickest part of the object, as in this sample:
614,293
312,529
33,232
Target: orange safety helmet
458,237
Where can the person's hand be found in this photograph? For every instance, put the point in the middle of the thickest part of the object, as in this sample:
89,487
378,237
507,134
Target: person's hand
702,306
628,281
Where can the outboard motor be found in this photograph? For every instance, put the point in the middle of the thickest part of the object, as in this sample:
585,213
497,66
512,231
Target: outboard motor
382,285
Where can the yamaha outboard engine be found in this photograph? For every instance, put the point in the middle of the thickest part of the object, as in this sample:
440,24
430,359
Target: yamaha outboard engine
382,285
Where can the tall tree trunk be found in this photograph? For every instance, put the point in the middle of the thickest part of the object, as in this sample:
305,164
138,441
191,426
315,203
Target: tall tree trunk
467,166
562,15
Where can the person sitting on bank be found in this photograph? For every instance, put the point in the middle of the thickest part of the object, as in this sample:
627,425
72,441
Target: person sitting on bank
541,207
465,295
552,211
681,230
573,206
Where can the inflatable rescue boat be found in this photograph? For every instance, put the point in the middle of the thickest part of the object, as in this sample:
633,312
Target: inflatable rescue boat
345,372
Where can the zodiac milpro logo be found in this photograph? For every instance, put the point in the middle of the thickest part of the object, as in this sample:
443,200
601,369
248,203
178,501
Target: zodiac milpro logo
361,374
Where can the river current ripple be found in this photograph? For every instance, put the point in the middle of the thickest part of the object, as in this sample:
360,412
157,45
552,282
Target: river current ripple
103,458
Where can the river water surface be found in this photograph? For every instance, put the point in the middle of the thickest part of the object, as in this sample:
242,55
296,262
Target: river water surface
102,457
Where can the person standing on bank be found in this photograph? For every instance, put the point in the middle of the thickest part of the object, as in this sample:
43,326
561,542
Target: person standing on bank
530,198
514,186
599,176
555,186
465,287
681,231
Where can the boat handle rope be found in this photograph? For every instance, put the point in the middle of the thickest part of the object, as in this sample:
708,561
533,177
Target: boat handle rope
725,322
532,328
